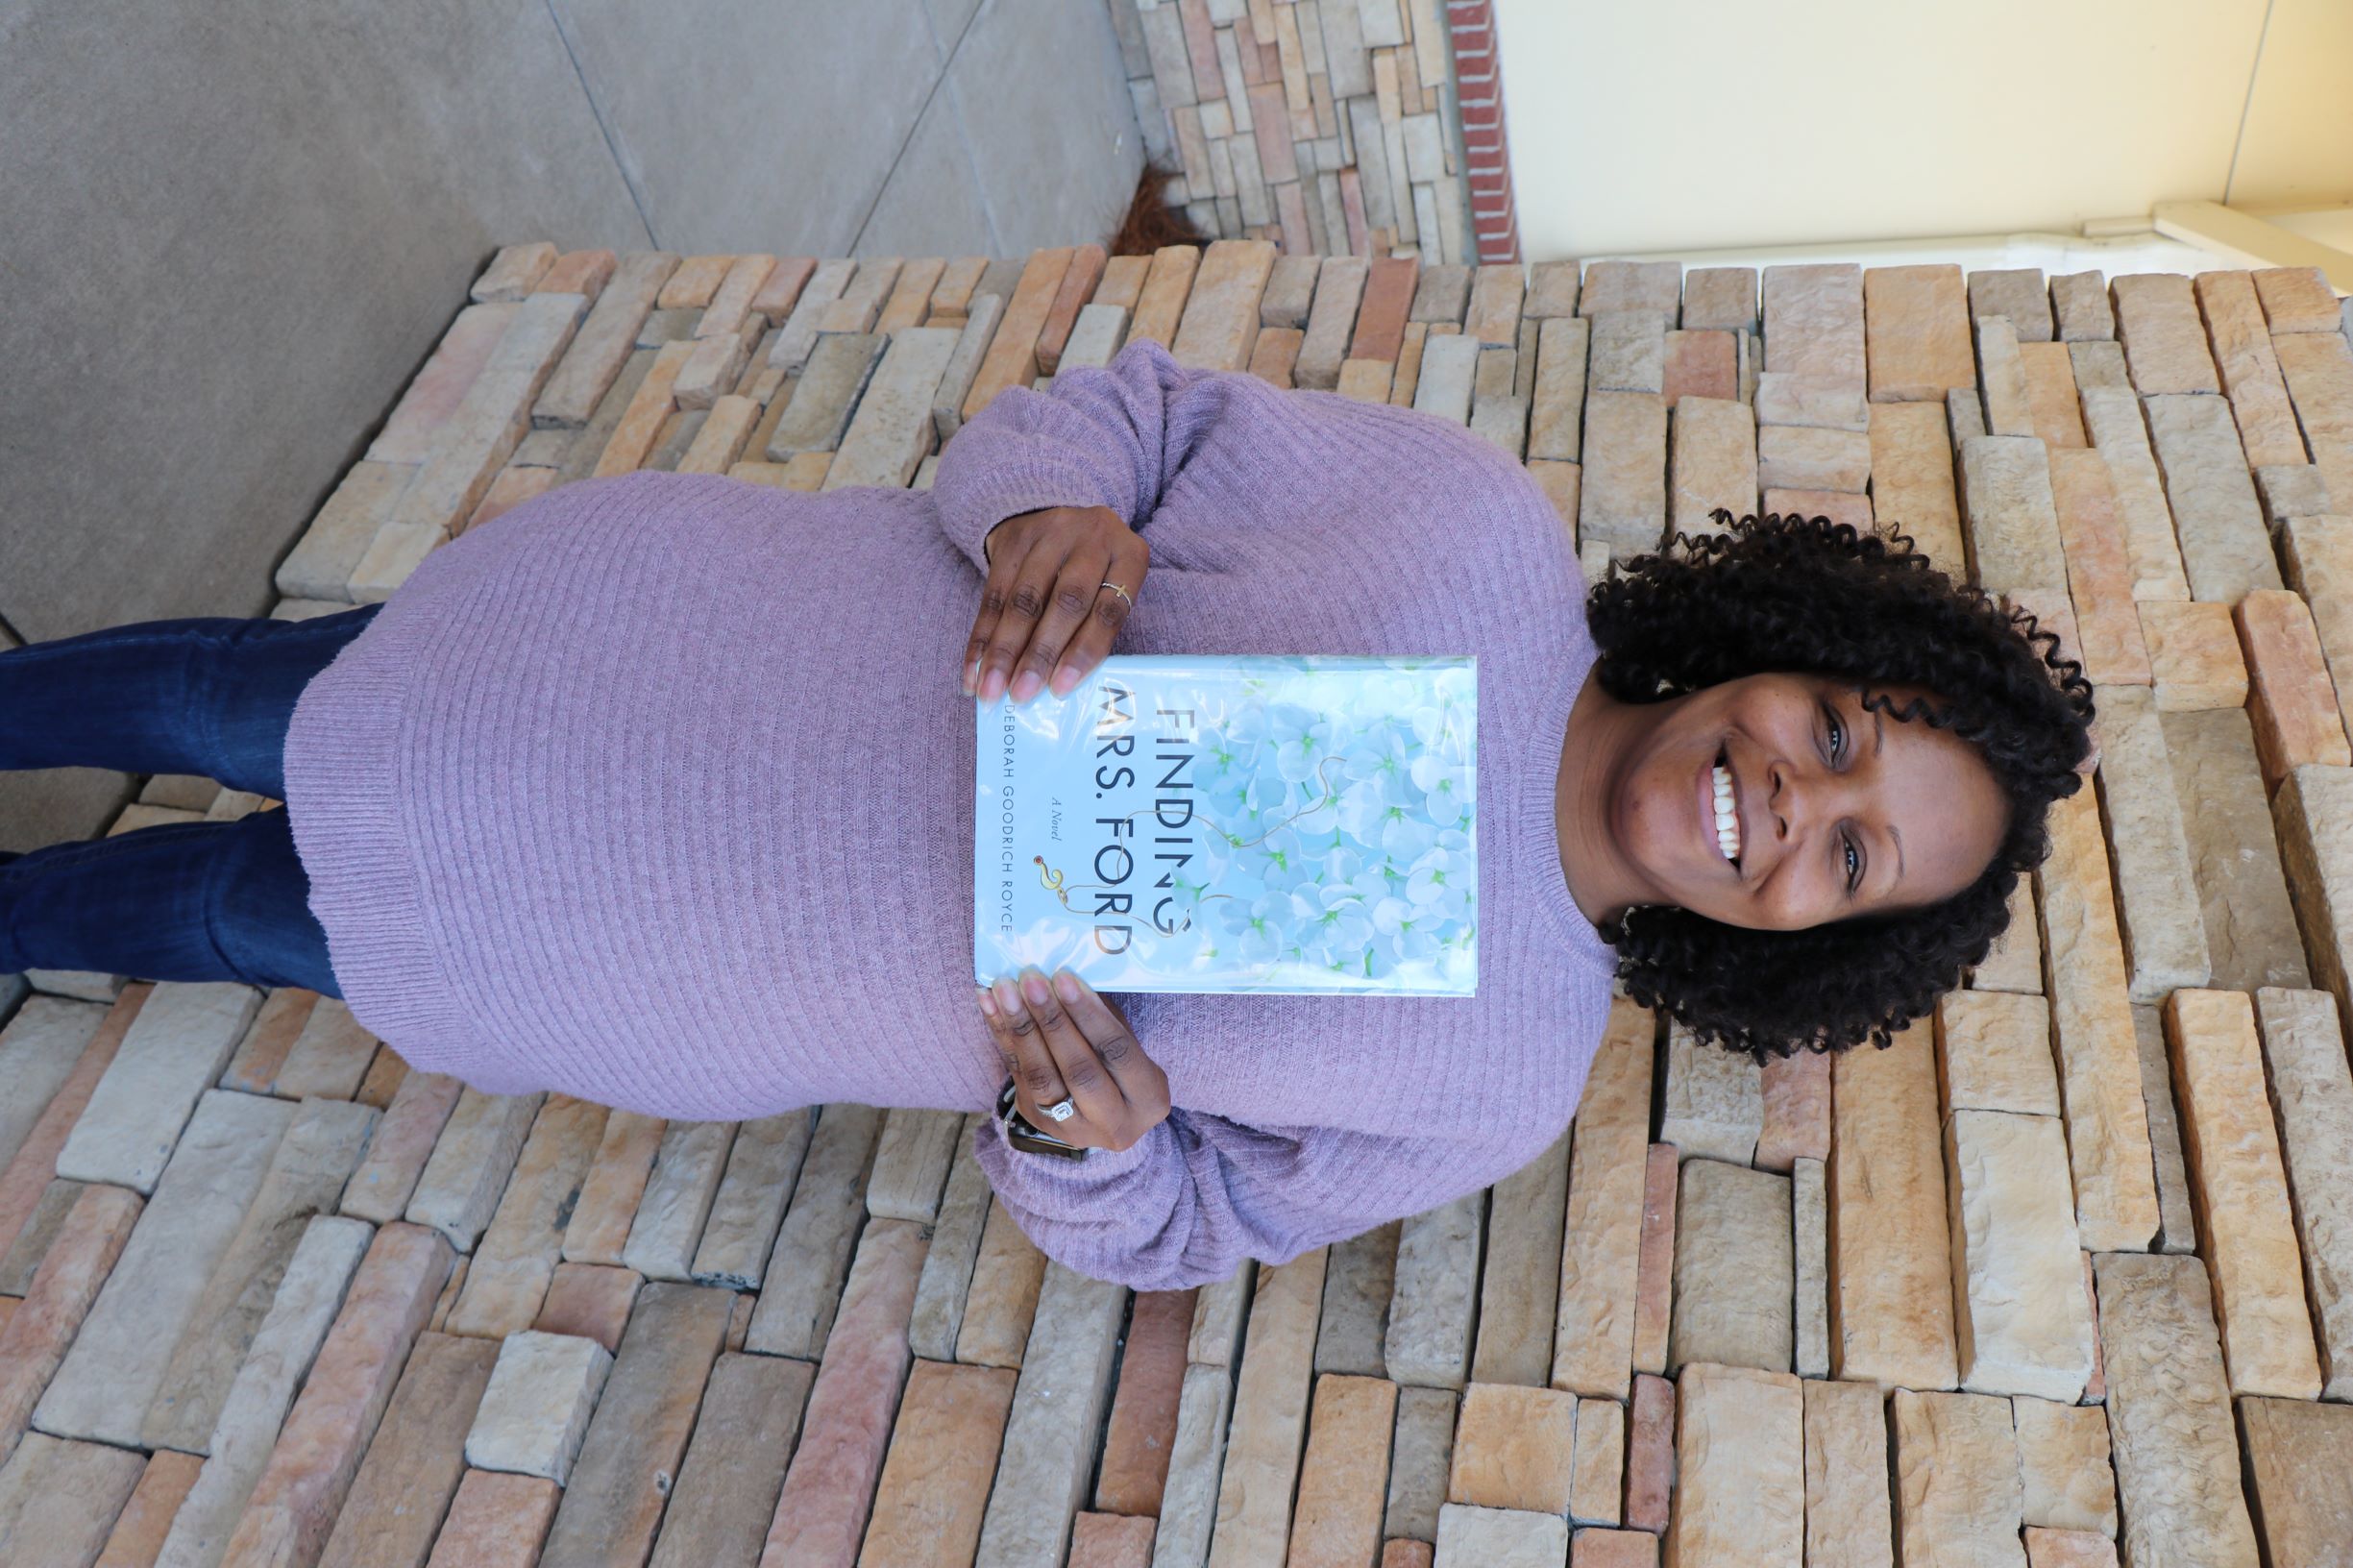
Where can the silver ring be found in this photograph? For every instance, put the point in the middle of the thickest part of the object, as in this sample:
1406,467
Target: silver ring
1122,592
1060,1109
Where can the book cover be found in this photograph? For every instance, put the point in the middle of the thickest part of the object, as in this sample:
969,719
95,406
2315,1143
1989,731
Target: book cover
1266,822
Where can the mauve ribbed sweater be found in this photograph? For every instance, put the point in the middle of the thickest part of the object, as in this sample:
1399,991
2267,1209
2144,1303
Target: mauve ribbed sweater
658,791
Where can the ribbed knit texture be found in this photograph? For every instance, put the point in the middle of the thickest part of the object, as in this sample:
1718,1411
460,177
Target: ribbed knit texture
658,791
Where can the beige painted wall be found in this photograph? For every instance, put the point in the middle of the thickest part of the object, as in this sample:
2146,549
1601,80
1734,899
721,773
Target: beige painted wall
1678,125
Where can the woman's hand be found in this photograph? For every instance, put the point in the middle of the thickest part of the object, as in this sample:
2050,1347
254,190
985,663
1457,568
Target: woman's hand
1064,1040
1045,610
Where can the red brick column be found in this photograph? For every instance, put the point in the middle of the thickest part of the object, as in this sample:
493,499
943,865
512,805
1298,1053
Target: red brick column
1479,82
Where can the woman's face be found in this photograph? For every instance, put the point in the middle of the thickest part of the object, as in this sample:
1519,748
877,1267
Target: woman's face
1834,812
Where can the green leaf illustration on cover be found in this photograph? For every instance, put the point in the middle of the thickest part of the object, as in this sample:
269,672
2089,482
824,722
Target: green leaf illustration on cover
1283,824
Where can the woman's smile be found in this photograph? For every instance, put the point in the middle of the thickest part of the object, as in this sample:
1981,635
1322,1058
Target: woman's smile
1720,822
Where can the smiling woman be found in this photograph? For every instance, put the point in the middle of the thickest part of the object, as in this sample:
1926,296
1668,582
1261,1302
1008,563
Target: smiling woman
1805,776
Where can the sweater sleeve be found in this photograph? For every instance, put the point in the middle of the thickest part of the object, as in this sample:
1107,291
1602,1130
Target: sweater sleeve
1185,1203
1113,436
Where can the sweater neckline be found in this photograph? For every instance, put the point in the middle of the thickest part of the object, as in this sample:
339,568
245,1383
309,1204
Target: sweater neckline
1539,769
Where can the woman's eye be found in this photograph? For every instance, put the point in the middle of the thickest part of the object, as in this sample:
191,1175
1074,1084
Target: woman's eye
1838,735
1855,864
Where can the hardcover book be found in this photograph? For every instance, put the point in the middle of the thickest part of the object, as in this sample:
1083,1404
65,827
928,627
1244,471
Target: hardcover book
1263,823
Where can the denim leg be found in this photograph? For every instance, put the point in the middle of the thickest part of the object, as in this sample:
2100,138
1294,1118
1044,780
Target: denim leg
185,901
211,696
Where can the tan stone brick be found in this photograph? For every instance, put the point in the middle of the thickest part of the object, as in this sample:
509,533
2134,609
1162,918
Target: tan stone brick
1714,1103
2249,369
1956,1478
2225,547
1559,483
1734,1273
1740,1484
513,486
2170,1414
1655,1270
2251,932
1343,1476
1636,285
495,1521
1601,1241
1270,1413
1917,333
2239,1183
1515,1448
2156,883
1367,381
2294,705
641,422
1003,1296
1275,354
1359,1280
2098,570
1339,292
1720,297
518,1252
1220,322
1912,481
2119,434
146,1518
2099,1074
1142,1432
696,280
589,1301
2021,1320
1556,412
1891,1272
2303,1489
600,1224
1111,1540
1806,457
2013,517
2311,1097
1012,359
2292,490
514,271
413,431
2165,342
1551,291
1849,1519
2177,1226
1785,399
1499,1538
952,296
1494,315
1623,489
1649,1452
1160,302
1381,315
1814,321
380,1190
1712,462
35,1340
2318,554
1796,1092
2194,655
2080,302
1428,1341
417,1459
2064,1475
2298,300
1612,1548
2320,370
1519,1286
2017,293
293,1506
579,272
1700,364
1992,1052
910,297
58,1500
2007,403
2050,395
1600,1473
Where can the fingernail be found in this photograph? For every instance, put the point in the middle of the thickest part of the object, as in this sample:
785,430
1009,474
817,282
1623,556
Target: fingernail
1033,987
993,685
1064,679
972,674
1008,999
1025,686
1065,986
988,1000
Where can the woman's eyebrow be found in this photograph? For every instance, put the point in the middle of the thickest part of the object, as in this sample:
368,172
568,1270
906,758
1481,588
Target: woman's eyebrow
1878,734
1896,834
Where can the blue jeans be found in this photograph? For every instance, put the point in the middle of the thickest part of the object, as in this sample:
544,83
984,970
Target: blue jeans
186,900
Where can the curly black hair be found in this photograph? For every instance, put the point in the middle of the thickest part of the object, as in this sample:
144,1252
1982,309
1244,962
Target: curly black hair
1806,595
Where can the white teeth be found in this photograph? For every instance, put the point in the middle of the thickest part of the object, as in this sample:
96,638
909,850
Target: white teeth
1727,821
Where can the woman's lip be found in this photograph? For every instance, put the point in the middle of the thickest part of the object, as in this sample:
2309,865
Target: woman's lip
1708,811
